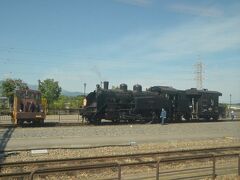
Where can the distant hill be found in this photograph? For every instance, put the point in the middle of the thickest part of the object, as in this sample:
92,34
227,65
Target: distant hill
70,93
64,92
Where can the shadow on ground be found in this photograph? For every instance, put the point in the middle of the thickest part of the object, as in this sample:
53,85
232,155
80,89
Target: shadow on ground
5,136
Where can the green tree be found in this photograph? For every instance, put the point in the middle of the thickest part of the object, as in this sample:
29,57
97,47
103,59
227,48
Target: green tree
77,102
8,87
68,102
60,103
50,90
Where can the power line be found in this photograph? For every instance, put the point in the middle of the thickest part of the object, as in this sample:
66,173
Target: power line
44,53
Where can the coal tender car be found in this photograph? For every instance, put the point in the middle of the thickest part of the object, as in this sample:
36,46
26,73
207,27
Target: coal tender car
135,105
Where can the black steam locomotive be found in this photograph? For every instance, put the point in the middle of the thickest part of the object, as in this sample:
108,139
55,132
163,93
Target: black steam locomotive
121,104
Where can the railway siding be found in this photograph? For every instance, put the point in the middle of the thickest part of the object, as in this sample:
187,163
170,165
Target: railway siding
135,160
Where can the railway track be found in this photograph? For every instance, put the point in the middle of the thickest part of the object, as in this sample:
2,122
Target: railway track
48,124
69,124
152,160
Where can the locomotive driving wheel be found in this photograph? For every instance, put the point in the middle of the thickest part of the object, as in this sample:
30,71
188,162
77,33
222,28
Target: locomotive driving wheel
20,122
97,120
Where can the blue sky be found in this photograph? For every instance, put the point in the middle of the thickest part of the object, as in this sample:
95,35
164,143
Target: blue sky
149,42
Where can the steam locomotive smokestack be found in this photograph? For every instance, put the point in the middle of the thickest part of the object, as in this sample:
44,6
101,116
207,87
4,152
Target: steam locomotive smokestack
105,85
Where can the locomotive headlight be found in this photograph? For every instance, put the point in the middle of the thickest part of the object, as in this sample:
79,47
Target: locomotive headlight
84,102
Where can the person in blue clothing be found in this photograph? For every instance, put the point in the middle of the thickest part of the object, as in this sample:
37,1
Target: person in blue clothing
163,116
232,115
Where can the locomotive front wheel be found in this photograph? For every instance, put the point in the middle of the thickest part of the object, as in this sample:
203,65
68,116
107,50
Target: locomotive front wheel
38,122
115,121
215,118
41,122
20,122
97,121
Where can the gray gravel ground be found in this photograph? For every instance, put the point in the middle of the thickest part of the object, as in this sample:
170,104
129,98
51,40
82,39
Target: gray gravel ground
141,138
150,147
84,136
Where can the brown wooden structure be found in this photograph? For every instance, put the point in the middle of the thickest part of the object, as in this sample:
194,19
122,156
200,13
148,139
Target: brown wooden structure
27,107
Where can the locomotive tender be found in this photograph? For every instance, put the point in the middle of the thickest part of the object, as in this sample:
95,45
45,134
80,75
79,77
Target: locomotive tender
121,104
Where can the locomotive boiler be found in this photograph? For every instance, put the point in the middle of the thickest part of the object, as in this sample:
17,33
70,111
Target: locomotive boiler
121,104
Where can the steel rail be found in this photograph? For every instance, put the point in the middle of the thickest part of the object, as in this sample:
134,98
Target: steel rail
48,124
60,169
17,174
163,173
119,166
68,124
72,168
151,154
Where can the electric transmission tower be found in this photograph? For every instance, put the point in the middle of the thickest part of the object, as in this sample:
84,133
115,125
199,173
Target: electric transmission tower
199,74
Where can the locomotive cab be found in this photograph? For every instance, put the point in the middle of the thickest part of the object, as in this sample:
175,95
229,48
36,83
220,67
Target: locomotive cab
203,103
208,104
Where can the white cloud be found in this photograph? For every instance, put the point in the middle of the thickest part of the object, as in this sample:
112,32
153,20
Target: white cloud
205,37
196,10
142,57
172,44
156,45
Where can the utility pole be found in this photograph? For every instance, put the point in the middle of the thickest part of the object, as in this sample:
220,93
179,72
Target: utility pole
199,74
230,104
85,84
230,101
39,82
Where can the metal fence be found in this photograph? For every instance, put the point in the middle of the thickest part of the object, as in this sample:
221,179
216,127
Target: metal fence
53,115
64,115
196,172
5,116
